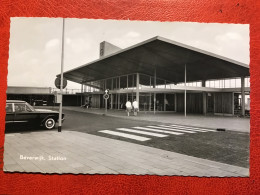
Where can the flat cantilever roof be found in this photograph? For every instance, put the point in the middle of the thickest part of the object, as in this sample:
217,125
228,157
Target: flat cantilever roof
169,59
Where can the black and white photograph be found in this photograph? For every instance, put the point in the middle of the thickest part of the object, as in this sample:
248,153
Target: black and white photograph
88,96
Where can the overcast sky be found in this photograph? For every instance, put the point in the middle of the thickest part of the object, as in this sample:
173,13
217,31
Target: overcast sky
35,43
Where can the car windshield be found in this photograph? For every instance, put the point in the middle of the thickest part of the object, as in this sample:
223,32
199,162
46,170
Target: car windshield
30,107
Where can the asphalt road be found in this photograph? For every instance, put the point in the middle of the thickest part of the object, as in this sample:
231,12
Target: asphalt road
227,147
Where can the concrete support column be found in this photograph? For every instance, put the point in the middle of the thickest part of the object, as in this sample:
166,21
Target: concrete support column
203,83
133,81
175,102
154,83
81,91
150,95
185,93
243,96
214,105
154,102
118,102
111,101
127,82
204,98
137,87
164,100
233,104
154,95
204,102
118,82
150,101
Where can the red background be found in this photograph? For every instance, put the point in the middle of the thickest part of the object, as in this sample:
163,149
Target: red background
214,11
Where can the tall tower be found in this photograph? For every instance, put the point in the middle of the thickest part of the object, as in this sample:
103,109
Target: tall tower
107,48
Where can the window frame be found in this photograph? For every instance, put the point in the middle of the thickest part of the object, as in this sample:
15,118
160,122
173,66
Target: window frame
12,104
20,107
31,108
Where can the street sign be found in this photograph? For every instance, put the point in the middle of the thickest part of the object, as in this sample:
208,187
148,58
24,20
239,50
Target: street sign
105,96
107,91
58,82
58,97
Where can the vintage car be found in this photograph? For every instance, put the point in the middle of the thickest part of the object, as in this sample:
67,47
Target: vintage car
21,113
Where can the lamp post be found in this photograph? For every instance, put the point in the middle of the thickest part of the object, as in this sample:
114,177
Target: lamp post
61,83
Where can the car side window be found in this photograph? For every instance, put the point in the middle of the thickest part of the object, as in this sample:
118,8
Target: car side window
28,109
8,108
20,108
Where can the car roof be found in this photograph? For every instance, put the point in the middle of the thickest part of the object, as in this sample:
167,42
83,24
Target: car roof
15,101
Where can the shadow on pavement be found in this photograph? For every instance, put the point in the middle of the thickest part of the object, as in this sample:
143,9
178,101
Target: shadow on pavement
26,129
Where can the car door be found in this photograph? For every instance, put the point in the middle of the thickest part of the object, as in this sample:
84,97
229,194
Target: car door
9,117
23,115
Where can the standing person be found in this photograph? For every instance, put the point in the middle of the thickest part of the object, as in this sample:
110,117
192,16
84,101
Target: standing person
135,105
128,106
86,104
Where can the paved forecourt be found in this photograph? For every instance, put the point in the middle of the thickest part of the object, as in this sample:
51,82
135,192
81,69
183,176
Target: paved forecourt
229,147
210,121
77,152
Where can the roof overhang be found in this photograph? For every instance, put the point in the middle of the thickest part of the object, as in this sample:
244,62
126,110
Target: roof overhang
167,57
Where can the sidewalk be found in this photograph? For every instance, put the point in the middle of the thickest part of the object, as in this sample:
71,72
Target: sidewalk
76,152
214,122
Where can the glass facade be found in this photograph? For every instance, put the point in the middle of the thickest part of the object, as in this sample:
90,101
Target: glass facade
151,98
147,82
227,83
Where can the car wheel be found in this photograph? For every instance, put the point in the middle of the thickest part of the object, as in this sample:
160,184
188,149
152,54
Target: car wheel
49,123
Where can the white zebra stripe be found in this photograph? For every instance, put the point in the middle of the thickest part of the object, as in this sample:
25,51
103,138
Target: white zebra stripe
142,132
135,137
182,129
203,129
157,130
171,129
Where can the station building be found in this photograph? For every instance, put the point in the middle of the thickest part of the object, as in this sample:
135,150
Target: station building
42,96
164,75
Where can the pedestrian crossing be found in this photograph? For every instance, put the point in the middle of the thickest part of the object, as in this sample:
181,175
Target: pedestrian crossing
146,133
158,130
135,137
142,132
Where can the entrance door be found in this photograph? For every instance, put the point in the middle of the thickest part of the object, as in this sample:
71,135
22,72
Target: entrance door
170,102
210,100
144,101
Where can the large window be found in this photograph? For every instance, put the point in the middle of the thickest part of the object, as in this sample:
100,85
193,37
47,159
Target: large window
22,107
227,83
8,108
